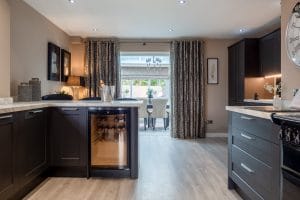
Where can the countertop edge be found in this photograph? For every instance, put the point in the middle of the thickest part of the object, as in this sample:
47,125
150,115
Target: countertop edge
23,106
254,113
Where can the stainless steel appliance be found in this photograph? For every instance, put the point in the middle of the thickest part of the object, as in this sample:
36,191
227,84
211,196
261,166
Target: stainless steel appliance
289,135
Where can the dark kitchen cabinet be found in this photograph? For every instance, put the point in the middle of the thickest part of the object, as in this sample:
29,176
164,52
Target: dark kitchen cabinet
68,133
31,146
253,157
270,53
7,181
243,61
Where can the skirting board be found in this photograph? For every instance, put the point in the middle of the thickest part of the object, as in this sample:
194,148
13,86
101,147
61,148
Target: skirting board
216,134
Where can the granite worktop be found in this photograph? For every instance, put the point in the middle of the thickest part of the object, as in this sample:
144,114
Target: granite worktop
21,106
261,101
260,113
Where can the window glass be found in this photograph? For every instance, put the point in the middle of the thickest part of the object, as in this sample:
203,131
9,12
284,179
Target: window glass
141,72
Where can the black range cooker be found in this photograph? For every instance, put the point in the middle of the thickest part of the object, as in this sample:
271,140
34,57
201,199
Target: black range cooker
290,156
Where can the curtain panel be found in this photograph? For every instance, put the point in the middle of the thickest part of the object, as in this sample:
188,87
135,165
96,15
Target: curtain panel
188,89
102,63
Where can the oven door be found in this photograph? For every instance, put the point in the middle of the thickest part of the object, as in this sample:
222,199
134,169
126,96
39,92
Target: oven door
291,172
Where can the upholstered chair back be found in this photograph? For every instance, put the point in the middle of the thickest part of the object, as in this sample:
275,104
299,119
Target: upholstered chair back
159,108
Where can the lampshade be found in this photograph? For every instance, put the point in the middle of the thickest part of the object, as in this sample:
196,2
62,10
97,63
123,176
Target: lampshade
73,81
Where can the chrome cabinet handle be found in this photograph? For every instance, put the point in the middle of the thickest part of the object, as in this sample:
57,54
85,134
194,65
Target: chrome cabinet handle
6,117
69,109
36,111
247,136
71,158
247,168
246,118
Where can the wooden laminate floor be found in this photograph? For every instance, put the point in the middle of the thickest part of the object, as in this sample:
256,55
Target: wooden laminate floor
170,169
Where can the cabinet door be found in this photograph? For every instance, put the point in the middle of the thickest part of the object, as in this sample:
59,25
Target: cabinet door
270,54
68,137
7,183
240,76
232,75
31,146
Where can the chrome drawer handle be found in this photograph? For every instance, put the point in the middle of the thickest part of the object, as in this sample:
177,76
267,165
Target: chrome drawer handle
246,118
69,109
75,158
247,168
6,117
36,111
247,136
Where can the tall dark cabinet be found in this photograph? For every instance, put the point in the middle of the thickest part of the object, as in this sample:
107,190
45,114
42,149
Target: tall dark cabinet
7,182
68,138
270,53
243,61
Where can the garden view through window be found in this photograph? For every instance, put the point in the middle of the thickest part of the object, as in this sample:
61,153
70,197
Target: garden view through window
145,74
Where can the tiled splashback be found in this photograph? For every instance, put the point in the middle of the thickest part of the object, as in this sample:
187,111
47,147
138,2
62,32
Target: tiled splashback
256,85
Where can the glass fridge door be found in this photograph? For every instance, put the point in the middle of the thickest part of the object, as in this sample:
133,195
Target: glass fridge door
109,140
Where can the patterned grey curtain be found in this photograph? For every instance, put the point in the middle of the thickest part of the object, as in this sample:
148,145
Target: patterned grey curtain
102,63
188,89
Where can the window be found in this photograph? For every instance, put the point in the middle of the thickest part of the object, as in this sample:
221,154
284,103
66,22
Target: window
141,71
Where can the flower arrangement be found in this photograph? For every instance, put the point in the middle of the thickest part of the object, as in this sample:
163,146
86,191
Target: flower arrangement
276,90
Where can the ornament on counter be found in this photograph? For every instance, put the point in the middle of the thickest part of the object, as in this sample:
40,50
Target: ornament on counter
36,89
25,92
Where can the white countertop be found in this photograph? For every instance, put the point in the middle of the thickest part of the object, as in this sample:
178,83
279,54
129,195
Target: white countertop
264,101
256,113
21,106
244,110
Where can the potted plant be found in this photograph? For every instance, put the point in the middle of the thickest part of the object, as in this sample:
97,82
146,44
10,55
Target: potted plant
150,95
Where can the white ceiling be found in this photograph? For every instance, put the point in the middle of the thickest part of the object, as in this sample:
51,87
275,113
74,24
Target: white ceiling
154,18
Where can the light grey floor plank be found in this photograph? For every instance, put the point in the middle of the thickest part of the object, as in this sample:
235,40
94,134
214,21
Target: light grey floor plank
170,169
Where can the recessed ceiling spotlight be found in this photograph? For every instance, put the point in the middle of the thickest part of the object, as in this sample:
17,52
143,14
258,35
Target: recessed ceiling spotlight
171,30
242,30
182,1
72,1
95,29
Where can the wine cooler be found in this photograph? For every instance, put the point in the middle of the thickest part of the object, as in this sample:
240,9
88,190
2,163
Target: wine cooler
110,140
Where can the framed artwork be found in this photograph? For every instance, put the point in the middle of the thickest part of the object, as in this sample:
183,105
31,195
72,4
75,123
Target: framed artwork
53,62
65,65
212,71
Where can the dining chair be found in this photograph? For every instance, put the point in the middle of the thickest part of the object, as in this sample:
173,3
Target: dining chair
159,111
143,112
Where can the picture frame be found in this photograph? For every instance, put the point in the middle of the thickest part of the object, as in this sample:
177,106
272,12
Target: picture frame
53,62
65,65
212,71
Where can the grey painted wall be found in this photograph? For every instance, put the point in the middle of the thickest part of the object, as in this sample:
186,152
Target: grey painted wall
30,33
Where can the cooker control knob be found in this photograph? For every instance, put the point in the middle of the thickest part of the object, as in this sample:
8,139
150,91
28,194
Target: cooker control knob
297,139
280,134
288,136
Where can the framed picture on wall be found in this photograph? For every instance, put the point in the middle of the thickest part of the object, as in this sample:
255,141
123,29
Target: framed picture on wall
212,71
53,62
65,65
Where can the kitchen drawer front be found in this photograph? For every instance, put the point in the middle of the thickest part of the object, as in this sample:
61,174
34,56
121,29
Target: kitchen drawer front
253,172
70,110
255,146
260,127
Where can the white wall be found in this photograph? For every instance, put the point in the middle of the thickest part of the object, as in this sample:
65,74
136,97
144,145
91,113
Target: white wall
4,49
30,33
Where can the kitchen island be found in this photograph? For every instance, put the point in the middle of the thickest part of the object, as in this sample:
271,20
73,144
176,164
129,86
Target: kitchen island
53,138
253,153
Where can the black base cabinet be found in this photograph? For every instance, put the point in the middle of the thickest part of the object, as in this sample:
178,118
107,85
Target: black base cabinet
23,152
68,141
253,157
7,152
31,148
